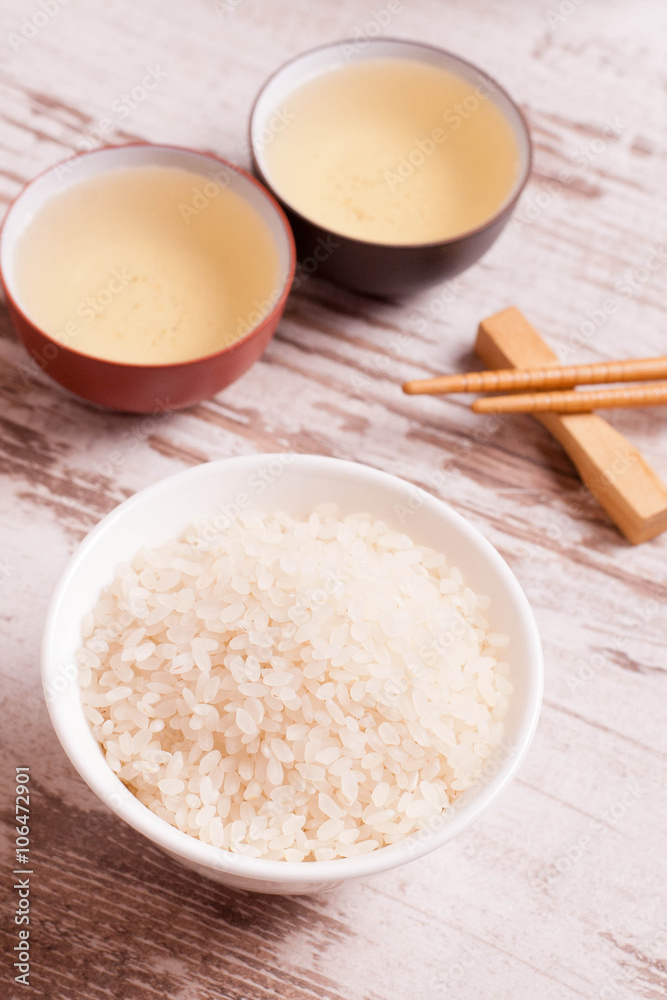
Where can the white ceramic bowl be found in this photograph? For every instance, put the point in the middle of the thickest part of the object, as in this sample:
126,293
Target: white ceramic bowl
294,483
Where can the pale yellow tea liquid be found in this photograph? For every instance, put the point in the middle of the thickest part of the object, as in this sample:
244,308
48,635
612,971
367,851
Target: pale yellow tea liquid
147,265
394,151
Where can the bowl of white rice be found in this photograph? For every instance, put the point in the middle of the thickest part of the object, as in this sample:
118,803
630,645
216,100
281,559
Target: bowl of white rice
290,671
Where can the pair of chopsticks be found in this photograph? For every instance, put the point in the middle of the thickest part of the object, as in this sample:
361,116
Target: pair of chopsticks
559,377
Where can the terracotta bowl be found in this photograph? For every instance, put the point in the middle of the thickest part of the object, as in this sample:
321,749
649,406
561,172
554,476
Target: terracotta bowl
386,270
144,388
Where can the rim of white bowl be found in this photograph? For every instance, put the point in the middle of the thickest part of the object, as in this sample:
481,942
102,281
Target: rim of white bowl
89,761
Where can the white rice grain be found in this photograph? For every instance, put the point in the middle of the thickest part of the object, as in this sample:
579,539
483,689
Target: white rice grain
294,689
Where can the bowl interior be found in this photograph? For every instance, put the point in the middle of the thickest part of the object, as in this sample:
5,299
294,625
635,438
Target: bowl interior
217,491
266,119
213,171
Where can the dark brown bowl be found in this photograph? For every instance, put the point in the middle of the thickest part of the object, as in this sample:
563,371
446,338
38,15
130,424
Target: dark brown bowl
137,388
387,270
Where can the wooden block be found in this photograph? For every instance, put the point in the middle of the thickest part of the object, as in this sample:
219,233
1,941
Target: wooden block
613,469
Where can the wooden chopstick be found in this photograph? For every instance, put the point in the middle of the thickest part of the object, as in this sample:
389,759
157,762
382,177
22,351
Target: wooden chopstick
615,472
558,377
574,401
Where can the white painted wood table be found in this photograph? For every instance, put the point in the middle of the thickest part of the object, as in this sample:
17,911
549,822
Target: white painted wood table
559,891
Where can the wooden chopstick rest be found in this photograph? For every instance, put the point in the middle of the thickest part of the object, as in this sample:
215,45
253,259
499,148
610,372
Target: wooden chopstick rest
573,401
613,469
557,377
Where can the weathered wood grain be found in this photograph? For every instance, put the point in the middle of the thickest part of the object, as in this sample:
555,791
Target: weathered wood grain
559,891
